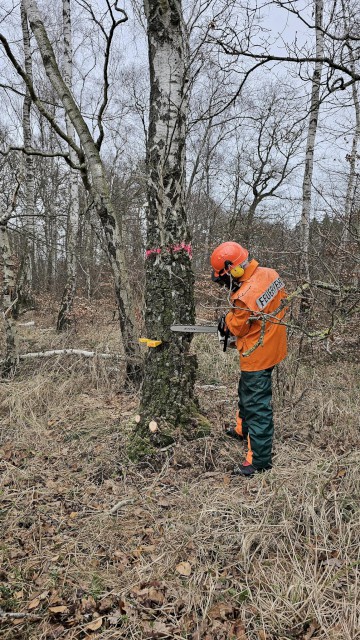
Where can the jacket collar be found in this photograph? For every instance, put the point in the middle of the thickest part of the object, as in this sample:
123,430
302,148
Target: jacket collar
249,270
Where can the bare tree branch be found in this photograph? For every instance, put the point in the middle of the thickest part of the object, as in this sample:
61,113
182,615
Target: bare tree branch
109,38
36,100
231,50
29,151
288,5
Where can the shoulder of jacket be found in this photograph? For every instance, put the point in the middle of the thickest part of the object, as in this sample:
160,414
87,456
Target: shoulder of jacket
265,272
261,276
263,281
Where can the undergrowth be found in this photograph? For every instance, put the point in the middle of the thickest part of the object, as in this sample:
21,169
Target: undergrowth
94,546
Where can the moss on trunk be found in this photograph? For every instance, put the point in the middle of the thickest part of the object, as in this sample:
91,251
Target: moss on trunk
169,376
144,444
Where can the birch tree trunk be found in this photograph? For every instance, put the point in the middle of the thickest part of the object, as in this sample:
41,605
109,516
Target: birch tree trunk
25,284
67,300
51,234
8,300
29,183
353,157
99,190
350,190
168,388
310,144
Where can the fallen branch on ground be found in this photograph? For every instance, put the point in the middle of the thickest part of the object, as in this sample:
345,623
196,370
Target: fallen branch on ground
119,505
67,352
211,387
9,615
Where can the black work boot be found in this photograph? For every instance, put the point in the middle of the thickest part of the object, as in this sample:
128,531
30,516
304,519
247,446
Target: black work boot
247,470
230,431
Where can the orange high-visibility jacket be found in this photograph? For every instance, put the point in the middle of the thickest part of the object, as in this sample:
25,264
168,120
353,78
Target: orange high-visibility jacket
261,290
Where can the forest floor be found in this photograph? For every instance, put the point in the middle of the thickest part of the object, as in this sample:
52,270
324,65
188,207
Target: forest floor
190,552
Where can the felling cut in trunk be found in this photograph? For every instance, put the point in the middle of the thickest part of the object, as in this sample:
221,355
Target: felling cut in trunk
168,388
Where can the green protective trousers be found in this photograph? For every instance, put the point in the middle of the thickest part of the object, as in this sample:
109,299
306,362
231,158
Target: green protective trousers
255,410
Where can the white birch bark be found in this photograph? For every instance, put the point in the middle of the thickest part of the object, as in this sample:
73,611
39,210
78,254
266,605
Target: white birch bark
351,183
29,183
73,215
68,352
9,295
168,386
310,143
167,135
51,234
99,189
24,282
9,283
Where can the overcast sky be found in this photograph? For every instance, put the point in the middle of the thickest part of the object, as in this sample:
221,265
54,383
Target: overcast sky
130,74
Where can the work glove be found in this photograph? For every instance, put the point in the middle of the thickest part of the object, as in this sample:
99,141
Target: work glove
222,281
222,326
224,335
223,332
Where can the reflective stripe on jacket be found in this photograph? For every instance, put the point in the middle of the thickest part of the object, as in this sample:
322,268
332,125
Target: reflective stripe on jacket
261,291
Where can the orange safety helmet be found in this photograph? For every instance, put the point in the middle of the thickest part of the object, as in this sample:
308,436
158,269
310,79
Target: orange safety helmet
228,258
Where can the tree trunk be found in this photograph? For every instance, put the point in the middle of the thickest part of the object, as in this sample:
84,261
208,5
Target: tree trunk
51,234
25,293
353,157
25,299
310,143
8,300
247,236
350,190
168,388
99,190
67,300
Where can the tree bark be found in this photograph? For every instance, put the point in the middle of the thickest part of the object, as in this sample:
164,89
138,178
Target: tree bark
168,388
67,300
8,301
350,191
310,144
99,190
29,185
353,156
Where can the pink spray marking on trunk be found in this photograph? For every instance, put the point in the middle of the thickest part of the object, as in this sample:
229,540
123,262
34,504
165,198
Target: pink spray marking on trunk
174,247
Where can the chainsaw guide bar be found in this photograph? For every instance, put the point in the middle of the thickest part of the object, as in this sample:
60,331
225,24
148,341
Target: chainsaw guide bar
194,328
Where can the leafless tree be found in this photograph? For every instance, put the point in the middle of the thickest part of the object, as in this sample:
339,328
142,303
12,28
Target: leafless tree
89,162
168,388
67,301
9,296
310,143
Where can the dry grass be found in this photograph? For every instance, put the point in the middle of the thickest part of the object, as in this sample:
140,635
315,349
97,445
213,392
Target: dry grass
275,557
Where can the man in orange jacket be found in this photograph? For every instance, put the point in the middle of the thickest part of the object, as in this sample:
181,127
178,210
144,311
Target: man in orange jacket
256,295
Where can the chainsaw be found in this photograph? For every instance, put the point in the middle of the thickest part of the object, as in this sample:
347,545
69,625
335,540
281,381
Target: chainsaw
224,335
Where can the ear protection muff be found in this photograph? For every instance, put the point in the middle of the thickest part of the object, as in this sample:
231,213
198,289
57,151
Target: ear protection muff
237,272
